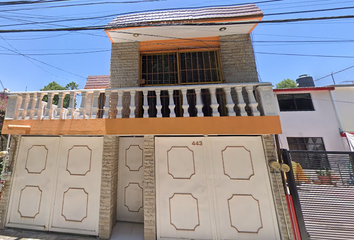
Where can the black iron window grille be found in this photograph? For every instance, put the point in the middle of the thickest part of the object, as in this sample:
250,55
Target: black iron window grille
175,68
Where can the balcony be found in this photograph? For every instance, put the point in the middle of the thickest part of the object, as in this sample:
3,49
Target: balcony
146,110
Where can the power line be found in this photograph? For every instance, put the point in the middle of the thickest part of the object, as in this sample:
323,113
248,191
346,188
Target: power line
310,11
179,24
114,15
334,73
65,53
41,62
304,55
29,2
84,4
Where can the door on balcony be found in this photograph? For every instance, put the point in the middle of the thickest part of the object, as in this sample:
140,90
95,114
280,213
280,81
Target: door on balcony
130,199
57,185
213,188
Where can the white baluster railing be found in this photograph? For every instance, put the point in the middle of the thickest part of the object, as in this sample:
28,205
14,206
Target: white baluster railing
252,101
29,105
171,105
158,104
229,103
185,105
146,104
214,103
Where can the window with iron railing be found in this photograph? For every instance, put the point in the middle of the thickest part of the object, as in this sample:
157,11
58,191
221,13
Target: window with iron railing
175,68
309,160
179,68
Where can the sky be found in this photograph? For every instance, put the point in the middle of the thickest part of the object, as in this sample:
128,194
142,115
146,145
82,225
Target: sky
31,60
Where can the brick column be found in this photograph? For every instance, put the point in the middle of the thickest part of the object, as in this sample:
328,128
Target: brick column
281,205
149,188
124,72
109,181
5,195
237,58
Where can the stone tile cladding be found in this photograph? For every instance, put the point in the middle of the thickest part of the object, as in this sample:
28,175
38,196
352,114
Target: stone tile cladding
125,60
237,58
109,181
149,188
277,186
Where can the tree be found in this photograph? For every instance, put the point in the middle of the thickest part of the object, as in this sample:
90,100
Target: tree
55,86
286,83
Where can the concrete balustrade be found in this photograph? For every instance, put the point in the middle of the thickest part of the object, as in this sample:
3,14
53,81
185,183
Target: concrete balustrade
210,100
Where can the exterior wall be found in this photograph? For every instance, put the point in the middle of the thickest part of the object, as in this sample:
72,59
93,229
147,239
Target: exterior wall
125,60
5,195
149,188
237,58
124,65
344,99
277,186
109,181
319,123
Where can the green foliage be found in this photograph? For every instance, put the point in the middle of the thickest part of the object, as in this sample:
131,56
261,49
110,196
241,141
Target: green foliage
286,83
55,86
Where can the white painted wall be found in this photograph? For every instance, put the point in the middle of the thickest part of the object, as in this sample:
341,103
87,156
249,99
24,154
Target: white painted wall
319,123
344,98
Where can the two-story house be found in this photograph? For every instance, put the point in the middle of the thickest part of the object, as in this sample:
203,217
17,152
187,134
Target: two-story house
180,141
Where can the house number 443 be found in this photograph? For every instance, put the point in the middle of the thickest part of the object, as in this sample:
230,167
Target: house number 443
197,143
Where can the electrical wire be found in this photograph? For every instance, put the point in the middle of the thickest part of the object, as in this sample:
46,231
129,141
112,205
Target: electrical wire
180,24
85,4
34,59
304,55
344,69
114,15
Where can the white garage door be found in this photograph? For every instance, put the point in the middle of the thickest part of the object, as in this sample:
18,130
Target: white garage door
213,188
57,184
130,180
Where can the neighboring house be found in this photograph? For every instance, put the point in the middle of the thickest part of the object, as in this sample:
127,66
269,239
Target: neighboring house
316,118
180,141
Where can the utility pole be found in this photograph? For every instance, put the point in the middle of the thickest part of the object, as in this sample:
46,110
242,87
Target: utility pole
334,82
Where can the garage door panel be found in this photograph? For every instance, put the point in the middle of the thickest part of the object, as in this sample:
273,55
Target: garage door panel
130,204
229,183
77,192
243,195
183,194
33,183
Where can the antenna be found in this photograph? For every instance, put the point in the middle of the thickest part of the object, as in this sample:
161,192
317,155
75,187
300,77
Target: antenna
2,84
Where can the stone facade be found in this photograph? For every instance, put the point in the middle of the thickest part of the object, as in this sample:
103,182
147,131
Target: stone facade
237,59
124,65
277,186
5,195
109,181
125,59
149,188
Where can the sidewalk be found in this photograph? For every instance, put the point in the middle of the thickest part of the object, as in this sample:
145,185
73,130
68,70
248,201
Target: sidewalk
18,234
122,231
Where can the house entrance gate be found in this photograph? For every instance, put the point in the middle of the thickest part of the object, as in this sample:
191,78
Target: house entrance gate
130,180
213,188
321,186
56,186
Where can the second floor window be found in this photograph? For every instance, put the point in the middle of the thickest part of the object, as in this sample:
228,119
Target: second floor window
174,68
295,102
